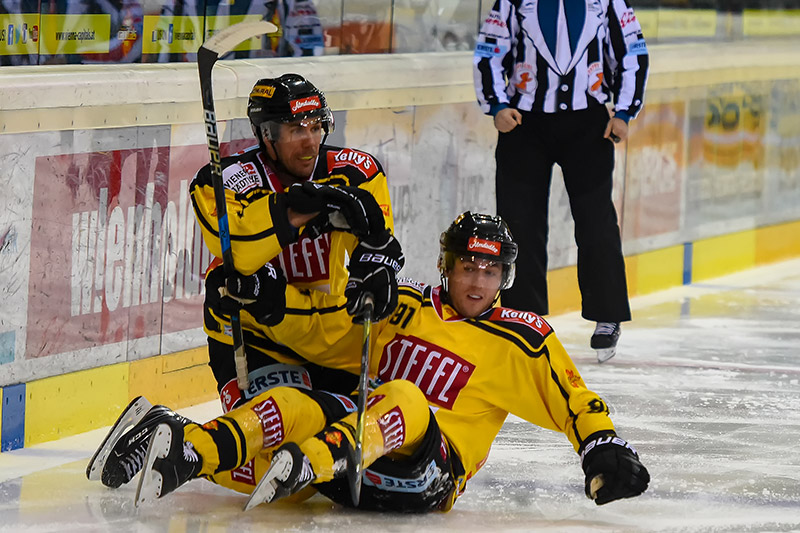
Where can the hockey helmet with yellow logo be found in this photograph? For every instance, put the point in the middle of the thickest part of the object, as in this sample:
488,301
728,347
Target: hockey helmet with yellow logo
288,98
479,236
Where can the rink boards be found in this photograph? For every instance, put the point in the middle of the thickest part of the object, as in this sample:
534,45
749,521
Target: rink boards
101,261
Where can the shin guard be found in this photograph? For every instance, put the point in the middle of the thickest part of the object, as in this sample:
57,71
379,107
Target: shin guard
253,431
397,419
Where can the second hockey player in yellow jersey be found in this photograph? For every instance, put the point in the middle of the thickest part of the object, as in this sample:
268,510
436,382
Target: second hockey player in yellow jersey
446,348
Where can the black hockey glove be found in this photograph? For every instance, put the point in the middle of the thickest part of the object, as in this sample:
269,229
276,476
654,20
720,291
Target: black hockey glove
262,294
612,467
347,208
373,268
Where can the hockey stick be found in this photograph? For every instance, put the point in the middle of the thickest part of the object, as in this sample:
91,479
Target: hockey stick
217,45
354,470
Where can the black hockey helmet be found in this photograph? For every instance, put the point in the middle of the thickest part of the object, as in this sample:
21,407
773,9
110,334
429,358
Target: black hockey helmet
482,237
288,98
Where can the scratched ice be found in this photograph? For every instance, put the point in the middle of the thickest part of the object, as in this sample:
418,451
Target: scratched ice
706,385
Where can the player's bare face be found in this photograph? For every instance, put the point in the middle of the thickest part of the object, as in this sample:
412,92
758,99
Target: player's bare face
297,147
472,285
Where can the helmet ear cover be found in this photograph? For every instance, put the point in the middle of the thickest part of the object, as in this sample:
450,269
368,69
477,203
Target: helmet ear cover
478,236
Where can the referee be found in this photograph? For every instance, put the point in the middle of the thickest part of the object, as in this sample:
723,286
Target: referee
545,70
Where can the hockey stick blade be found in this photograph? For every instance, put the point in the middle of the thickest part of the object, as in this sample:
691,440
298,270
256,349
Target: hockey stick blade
131,416
225,40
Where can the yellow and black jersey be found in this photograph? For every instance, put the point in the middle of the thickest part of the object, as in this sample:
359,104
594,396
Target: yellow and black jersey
259,227
472,371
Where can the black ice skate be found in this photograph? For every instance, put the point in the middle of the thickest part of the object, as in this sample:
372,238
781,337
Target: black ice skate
289,473
169,462
130,416
121,455
604,340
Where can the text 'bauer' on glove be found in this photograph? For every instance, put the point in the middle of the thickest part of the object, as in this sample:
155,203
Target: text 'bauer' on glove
262,294
612,467
373,268
349,209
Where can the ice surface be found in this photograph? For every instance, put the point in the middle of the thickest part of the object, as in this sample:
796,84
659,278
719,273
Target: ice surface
706,385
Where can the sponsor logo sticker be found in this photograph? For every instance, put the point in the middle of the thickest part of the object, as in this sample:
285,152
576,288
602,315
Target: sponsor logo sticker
230,395
595,73
489,50
414,284
307,260
483,246
494,19
639,48
245,473
393,429
277,375
348,404
271,422
305,104
334,437
527,318
573,378
241,177
627,18
262,91
352,158
397,484
439,373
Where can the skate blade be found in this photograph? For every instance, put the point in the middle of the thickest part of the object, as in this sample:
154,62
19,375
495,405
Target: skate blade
129,418
604,354
267,488
151,481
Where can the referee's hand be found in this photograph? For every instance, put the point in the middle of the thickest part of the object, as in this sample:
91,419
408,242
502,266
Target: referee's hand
616,130
507,119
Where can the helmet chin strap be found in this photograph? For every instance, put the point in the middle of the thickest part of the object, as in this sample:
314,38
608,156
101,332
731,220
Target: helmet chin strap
280,168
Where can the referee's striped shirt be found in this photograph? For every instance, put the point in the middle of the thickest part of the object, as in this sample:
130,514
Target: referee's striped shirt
560,55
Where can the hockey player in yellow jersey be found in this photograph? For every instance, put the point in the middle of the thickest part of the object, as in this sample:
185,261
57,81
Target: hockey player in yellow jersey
281,196
297,206
447,347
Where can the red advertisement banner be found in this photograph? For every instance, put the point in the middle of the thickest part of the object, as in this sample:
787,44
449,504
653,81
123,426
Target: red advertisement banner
115,251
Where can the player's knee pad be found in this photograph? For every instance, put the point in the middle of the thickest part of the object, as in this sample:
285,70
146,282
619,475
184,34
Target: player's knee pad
263,423
400,402
281,414
400,392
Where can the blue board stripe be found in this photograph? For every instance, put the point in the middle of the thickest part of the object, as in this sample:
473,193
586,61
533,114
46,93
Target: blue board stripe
12,432
687,263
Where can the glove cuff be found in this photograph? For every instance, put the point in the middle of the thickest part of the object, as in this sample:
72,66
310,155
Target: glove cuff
378,240
601,440
278,210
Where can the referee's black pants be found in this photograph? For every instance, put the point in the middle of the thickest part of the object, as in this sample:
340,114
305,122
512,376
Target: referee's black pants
525,158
